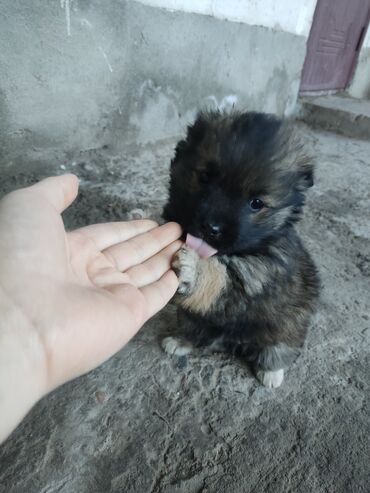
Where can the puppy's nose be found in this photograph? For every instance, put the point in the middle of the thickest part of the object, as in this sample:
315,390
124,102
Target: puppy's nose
212,230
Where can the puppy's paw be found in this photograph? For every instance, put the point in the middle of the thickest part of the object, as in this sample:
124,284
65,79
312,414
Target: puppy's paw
270,379
176,346
185,265
137,214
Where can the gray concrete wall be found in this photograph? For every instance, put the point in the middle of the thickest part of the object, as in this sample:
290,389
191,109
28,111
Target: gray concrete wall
360,85
130,72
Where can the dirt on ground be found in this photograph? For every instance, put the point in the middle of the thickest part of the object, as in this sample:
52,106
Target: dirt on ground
145,422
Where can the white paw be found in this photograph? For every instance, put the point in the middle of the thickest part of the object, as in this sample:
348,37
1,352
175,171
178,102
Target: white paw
137,214
185,266
176,346
270,379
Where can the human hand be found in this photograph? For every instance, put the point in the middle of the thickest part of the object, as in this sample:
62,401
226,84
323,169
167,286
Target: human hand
71,300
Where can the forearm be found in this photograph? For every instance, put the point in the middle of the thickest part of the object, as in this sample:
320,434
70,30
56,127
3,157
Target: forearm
22,366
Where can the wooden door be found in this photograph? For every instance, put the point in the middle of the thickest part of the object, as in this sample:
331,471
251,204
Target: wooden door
337,32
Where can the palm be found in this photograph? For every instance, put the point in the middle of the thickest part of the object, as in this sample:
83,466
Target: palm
97,285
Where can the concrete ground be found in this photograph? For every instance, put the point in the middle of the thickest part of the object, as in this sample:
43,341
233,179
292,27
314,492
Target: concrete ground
145,422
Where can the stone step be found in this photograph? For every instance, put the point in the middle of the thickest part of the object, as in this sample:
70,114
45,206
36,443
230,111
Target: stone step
338,113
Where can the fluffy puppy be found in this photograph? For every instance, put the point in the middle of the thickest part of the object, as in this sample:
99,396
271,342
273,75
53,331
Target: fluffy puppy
247,284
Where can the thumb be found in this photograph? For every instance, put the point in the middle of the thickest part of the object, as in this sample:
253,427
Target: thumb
60,191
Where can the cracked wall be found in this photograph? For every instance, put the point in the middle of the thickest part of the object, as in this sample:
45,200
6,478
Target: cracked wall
81,74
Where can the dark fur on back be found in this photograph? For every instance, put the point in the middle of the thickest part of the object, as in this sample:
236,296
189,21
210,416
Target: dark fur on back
226,162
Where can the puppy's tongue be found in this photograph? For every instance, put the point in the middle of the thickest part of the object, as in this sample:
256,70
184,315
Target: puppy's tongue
200,246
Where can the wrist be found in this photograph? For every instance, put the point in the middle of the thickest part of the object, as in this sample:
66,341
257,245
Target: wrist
22,365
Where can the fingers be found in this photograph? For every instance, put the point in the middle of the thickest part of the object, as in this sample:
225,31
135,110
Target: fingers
153,269
159,293
103,274
60,191
109,277
132,300
140,248
105,235
144,303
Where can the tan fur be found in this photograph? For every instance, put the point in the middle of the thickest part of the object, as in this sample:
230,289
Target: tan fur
211,281
255,272
281,216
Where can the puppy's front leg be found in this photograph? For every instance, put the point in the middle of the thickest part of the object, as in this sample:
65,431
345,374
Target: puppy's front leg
201,281
185,264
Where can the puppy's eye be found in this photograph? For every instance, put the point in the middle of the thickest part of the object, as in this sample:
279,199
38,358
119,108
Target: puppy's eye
204,177
256,205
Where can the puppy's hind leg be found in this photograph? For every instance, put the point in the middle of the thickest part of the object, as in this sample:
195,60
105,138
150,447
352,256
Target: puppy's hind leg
179,343
270,379
176,346
270,362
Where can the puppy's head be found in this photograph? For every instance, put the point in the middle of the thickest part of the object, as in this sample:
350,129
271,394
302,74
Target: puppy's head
238,180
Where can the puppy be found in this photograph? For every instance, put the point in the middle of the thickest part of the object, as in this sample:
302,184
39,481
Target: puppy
247,284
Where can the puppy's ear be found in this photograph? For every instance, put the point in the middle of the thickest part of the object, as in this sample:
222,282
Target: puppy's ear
195,134
304,162
180,149
307,178
197,130
305,174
